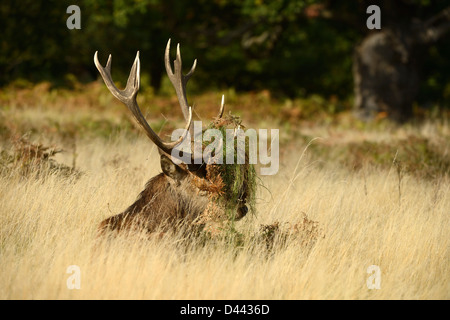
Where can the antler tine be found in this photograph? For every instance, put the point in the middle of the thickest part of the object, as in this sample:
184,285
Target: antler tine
222,107
194,65
177,78
128,97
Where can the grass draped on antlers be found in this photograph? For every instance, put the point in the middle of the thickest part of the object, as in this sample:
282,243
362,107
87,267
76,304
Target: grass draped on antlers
234,181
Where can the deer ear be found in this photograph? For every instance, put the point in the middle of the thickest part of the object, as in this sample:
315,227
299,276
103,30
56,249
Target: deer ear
170,169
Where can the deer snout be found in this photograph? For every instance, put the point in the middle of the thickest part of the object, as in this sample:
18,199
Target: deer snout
242,212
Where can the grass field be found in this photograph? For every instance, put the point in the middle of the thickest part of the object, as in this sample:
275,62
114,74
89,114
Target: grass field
347,196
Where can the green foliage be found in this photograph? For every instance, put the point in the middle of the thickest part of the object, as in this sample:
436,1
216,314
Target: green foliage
239,181
292,48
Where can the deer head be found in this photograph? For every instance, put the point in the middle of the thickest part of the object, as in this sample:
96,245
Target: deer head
184,193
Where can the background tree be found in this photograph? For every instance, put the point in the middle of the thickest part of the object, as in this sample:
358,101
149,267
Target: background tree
295,49
387,64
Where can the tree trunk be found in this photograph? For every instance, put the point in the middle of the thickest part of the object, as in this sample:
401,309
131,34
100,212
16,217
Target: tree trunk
386,66
386,75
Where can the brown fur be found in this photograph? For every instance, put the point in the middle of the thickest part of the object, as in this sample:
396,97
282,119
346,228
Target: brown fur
177,197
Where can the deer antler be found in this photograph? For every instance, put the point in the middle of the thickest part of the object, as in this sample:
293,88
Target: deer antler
128,97
222,107
177,78
179,81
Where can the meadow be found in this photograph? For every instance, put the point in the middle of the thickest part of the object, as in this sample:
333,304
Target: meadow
348,195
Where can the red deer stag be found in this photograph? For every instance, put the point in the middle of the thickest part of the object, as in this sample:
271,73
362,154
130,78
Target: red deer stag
179,195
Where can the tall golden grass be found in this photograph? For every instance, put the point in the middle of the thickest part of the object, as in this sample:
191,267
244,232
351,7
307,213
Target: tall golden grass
366,217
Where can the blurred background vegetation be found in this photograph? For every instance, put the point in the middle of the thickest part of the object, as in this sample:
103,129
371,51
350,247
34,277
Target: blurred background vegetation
292,49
